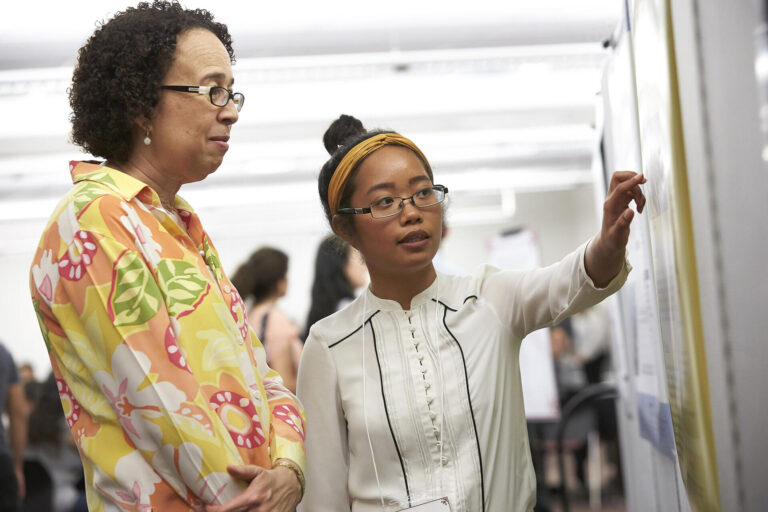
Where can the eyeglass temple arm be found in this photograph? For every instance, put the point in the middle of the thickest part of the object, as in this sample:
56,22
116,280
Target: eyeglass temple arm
354,210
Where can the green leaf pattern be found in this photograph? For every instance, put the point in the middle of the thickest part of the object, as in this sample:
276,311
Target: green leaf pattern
211,258
182,284
136,297
86,194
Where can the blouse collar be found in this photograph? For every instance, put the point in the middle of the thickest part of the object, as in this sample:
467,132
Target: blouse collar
421,298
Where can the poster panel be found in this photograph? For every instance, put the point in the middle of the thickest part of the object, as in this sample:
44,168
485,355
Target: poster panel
672,249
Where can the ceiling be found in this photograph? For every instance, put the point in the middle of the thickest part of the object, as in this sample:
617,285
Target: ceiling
501,96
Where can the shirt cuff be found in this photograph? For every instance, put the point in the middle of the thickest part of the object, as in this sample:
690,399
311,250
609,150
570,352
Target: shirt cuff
617,281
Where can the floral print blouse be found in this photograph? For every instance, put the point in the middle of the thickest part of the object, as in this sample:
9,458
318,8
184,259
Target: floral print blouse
162,381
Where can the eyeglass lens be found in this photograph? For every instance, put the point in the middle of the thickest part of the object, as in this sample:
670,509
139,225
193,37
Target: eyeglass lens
220,97
421,199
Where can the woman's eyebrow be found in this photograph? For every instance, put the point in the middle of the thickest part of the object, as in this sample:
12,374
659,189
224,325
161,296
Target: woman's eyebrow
390,186
381,186
219,77
417,179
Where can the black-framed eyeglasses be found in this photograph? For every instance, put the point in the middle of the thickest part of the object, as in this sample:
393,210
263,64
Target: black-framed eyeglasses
219,96
391,206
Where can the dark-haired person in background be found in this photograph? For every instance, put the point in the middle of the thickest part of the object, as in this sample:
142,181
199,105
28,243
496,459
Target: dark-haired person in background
339,271
12,402
50,444
165,387
261,281
413,391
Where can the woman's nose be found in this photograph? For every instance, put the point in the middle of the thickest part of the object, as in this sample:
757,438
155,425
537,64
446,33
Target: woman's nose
229,113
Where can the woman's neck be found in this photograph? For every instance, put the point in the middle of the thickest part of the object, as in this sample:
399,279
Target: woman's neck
268,302
401,288
142,170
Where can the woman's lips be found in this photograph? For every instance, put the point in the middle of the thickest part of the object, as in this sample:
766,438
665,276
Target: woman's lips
221,142
414,239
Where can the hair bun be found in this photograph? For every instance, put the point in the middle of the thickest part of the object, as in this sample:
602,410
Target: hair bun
340,130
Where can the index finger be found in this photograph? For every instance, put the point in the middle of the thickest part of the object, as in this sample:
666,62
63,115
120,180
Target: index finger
629,185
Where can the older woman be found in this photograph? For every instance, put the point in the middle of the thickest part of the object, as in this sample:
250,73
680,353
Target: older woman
165,387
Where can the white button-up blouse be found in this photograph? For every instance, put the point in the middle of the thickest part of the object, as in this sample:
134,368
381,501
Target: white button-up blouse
404,406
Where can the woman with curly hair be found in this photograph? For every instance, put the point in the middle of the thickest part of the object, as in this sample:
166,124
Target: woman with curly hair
165,387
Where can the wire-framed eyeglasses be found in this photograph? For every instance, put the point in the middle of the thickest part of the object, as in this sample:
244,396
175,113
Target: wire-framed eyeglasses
219,96
391,206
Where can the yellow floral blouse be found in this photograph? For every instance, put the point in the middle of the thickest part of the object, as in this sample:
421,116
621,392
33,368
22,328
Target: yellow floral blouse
162,381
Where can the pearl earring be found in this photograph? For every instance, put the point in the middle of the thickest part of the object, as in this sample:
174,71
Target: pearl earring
147,140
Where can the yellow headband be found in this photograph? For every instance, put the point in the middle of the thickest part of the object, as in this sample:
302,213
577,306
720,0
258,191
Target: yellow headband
356,154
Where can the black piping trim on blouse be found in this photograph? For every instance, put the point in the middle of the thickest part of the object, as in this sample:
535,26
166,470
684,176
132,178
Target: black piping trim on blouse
353,332
469,399
386,412
454,309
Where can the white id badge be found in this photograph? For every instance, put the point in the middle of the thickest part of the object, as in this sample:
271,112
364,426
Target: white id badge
438,505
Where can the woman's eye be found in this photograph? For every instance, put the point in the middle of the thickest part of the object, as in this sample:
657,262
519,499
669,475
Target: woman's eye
384,201
424,192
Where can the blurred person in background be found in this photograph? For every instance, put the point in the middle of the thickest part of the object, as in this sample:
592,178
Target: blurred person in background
50,444
262,280
339,272
592,344
26,373
413,390
570,379
14,442
166,389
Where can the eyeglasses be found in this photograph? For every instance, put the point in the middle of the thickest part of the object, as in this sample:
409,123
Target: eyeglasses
219,96
391,206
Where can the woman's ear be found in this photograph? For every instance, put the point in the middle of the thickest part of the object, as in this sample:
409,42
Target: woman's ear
342,226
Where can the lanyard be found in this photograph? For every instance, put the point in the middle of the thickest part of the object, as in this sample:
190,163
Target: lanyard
439,486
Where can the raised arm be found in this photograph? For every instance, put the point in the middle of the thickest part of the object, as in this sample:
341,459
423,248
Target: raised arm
526,300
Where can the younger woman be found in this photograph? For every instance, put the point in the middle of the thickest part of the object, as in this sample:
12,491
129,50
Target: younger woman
412,392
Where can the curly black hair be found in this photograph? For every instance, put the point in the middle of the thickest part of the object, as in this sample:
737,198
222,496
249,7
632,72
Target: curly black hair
120,69
341,136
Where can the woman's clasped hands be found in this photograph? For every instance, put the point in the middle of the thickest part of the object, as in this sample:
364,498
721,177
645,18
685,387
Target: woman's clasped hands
269,490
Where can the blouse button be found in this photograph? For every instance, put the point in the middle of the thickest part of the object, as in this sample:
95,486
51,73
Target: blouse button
432,415
227,288
427,385
445,460
420,356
